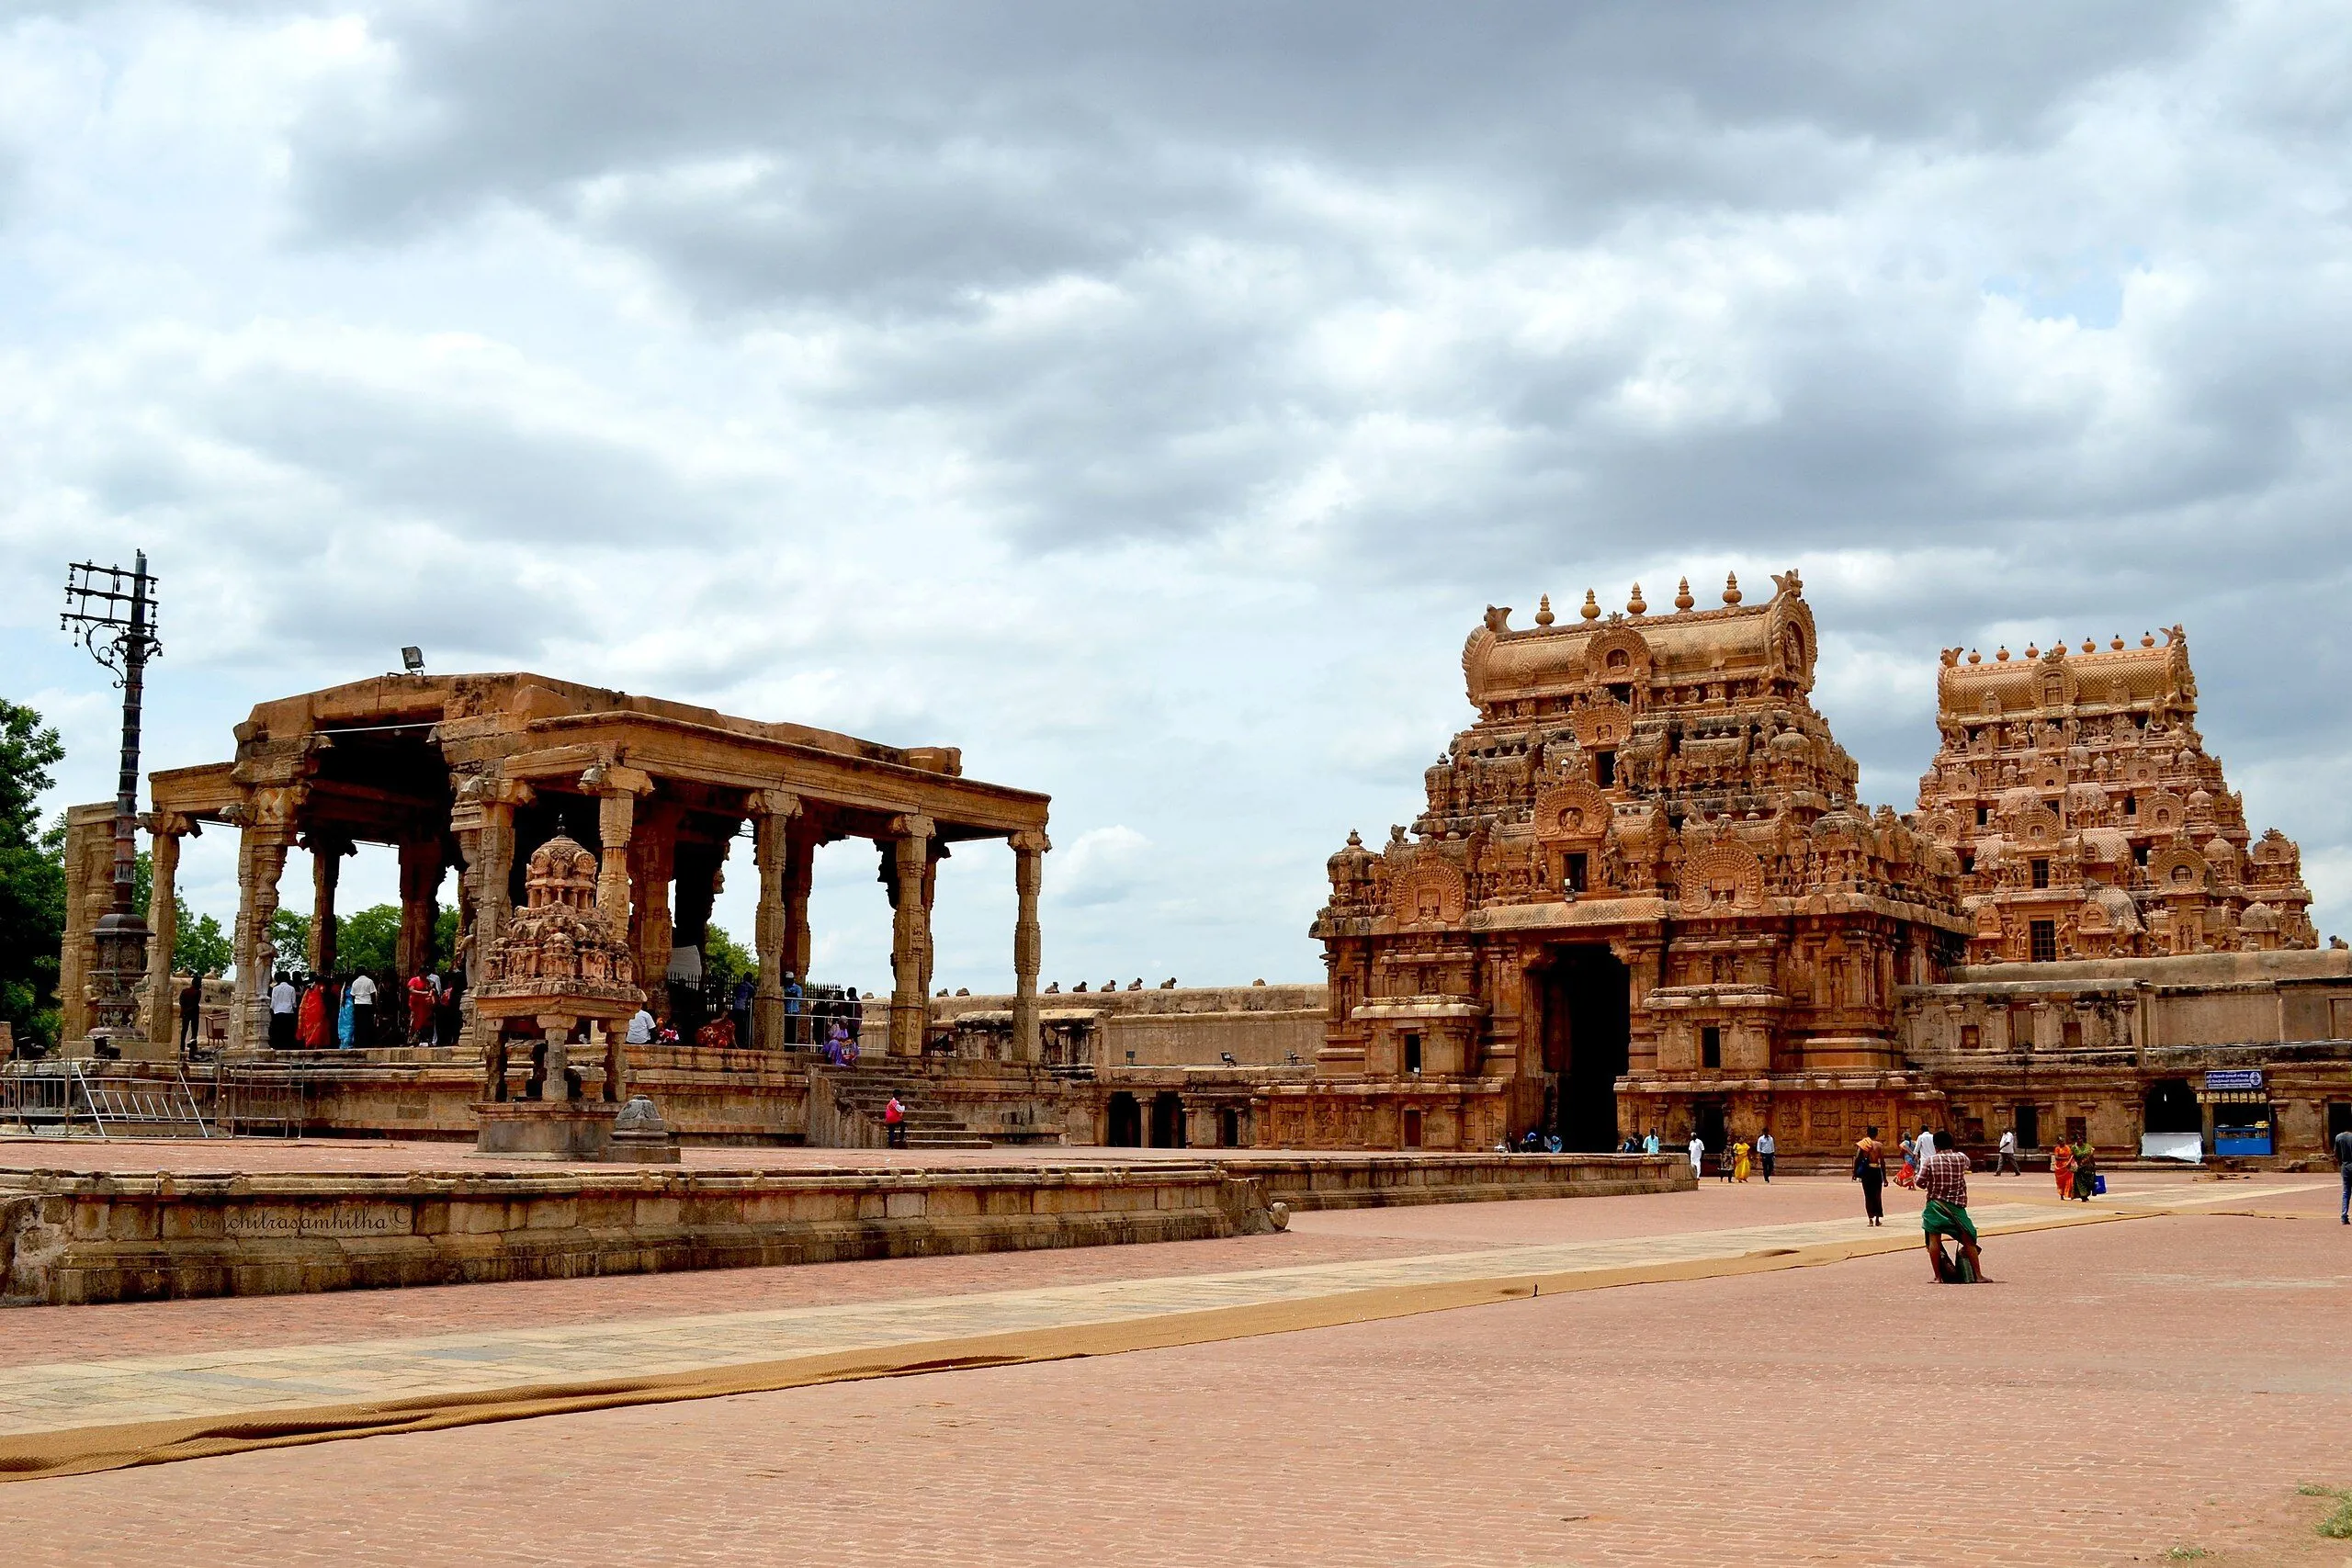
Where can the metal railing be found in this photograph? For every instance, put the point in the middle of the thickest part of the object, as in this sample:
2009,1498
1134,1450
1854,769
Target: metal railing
64,1099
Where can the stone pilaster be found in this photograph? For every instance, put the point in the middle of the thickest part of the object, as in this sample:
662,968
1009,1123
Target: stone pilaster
772,815
1028,875
910,935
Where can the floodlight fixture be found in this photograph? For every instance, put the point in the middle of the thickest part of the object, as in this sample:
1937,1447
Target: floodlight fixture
413,660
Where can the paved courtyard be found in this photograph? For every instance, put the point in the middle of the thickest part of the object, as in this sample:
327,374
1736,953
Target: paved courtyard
2142,1390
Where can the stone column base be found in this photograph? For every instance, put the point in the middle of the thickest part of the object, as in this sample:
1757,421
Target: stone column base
547,1128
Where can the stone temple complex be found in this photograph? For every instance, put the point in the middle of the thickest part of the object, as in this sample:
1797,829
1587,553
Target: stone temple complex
1641,893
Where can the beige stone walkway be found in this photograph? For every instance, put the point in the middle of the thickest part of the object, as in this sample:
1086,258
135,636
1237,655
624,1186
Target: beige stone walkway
232,1381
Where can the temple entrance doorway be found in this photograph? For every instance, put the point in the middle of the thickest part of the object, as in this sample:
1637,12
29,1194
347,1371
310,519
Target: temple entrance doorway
2172,1108
1167,1119
1586,1007
1707,1121
1123,1122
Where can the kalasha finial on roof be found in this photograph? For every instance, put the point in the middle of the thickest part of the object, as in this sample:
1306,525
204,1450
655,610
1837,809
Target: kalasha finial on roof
1591,610
2147,639
1543,616
1682,600
2089,645
2117,643
1730,587
1636,605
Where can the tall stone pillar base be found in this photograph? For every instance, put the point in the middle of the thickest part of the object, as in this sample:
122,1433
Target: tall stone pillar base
545,1129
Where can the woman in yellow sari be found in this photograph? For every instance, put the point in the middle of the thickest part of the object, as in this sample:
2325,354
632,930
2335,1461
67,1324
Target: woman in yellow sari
1739,1161
2061,1166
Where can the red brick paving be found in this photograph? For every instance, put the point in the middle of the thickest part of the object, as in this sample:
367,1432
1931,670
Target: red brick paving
2125,1390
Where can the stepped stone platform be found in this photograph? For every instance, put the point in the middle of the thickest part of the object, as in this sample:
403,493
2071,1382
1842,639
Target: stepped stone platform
160,1221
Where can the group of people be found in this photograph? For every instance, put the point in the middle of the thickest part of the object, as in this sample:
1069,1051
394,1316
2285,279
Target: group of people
2075,1166
327,1012
813,1014
1740,1158
1941,1174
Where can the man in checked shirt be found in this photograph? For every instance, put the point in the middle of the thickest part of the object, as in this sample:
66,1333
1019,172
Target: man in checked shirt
1945,1181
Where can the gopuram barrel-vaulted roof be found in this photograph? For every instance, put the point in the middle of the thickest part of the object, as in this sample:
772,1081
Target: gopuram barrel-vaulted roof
1739,641
357,740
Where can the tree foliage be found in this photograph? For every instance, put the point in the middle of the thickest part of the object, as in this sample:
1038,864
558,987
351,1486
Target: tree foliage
725,959
32,875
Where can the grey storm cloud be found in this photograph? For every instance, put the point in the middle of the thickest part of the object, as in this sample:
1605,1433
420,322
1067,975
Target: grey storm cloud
1147,397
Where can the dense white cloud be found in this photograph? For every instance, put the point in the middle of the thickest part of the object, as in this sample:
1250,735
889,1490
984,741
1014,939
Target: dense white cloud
1146,397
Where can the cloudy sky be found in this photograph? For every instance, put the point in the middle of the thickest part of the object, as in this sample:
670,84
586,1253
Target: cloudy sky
1148,399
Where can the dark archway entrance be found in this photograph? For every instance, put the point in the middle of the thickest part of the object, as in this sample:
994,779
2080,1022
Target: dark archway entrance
1167,1119
2172,1107
1587,1026
1125,1122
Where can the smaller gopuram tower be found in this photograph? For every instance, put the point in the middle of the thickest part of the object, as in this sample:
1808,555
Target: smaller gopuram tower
2089,819
1642,896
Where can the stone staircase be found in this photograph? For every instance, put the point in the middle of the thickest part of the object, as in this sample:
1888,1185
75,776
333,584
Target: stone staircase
864,1091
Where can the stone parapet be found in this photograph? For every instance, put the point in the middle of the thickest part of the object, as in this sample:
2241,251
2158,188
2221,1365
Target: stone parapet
1376,1181
71,1239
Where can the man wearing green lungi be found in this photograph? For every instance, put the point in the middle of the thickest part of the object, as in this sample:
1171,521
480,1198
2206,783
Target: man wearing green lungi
1944,1180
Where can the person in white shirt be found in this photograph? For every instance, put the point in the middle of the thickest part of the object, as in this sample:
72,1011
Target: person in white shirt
283,999
641,1027
1921,1148
2007,1164
363,1009
1764,1151
1698,1154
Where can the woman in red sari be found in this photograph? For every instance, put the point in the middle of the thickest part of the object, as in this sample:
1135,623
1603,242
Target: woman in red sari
2061,1166
310,1020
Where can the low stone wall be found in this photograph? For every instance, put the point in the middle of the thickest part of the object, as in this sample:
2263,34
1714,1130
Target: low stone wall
1373,1182
71,1239
67,1239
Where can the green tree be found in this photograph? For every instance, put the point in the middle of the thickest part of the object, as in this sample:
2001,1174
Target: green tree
369,939
32,875
725,959
290,931
203,948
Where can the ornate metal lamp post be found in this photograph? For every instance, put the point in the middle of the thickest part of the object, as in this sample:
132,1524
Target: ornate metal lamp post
113,612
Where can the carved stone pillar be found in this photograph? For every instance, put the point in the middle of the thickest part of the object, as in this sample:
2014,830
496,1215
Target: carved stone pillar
1028,874
653,861
326,870
772,813
930,899
421,870
164,922
910,935
800,873
616,789
265,821
483,822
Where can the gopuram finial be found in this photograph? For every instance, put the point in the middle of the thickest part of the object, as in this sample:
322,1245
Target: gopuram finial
1543,616
1730,587
1591,610
1682,600
1636,605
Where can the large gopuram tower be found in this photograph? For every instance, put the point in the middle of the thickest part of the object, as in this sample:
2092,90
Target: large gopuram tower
1642,896
2089,819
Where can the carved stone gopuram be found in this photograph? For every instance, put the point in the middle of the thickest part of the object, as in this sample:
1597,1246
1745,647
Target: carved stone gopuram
1642,895
2090,820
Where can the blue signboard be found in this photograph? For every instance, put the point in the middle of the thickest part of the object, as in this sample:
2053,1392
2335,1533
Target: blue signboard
2238,1077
